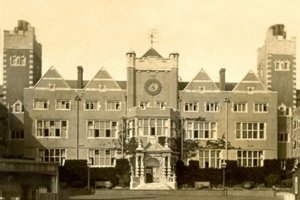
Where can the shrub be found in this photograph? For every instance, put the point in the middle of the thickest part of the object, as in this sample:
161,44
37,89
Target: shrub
123,172
74,171
272,179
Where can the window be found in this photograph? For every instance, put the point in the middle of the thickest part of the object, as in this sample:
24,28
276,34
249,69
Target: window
101,129
212,107
201,130
201,88
284,111
102,87
250,89
250,158
113,105
52,86
153,127
240,107
144,105
52,128
131,128
17,107
63,105
161,105
261,107
191,107
91,105
52,155
18,61
209,158
102,157
174,128
253,130
281,65
17,134
283,137
40,104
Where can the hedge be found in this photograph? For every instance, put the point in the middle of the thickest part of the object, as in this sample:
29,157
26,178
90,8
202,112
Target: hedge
270,174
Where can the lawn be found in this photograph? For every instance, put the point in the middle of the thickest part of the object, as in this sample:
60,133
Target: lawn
177,195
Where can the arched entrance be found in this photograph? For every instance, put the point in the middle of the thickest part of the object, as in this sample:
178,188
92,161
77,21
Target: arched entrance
152,171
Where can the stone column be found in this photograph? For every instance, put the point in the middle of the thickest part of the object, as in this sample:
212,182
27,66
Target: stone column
136,165
54,186
169,166
163,170
142,170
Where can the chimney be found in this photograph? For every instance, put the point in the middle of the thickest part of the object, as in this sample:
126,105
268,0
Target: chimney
79,77
222,79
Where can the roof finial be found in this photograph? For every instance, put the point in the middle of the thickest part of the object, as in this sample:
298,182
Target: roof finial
152,36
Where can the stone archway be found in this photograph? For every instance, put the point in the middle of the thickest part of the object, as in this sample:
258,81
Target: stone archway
153,170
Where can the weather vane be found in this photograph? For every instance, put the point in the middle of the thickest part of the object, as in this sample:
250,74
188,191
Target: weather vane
152,36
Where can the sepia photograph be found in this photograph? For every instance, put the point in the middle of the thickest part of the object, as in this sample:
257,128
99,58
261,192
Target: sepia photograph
149,99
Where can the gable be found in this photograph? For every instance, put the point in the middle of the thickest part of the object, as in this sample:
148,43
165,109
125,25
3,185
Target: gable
201,81
250,83
102,80
52,78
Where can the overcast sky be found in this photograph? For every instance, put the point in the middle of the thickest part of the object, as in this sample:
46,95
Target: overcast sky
97,33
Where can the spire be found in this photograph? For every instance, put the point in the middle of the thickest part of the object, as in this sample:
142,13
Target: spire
152,36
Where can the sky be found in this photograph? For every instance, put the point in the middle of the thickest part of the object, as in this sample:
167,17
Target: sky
208,34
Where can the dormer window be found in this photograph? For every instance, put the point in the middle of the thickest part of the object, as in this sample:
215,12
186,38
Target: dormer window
284,111
17,107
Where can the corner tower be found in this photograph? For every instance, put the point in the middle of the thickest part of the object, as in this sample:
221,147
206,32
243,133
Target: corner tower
276,65
22,60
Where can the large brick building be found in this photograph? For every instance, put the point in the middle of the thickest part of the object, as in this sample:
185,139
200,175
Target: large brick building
95,120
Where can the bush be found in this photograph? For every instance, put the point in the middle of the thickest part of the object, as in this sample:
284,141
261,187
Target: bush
248,185
74,171
123,172
286,183
271,179
104,174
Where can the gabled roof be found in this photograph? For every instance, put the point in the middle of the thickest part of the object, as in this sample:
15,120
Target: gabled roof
102,78
250,81
156,147
73,84
152,53
202,80
52,77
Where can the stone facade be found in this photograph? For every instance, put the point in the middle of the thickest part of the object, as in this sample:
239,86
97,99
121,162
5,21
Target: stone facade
277,65
154,119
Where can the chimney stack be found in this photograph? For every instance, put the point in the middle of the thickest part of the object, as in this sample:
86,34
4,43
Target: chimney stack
79,77
222,79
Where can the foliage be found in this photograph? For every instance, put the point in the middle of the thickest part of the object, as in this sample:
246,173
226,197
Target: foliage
74,172
270,174
123,172
190,147
272,179
218,144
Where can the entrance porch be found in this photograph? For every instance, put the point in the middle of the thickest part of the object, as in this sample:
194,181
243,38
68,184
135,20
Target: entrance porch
153,170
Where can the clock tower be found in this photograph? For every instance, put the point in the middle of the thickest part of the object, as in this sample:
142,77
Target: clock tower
152,80
152,117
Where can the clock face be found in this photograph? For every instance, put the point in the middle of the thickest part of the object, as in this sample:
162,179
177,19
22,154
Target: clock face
152,87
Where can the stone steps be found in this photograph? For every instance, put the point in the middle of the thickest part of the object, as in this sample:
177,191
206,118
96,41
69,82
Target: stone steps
152,186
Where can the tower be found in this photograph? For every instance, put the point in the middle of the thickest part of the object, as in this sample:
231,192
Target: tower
276,65
22,59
